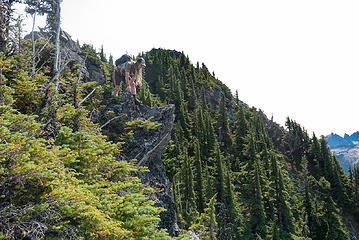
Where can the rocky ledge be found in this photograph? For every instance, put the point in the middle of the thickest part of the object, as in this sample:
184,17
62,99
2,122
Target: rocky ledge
146,146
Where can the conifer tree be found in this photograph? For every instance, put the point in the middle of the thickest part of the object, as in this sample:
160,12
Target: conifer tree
102,54
223,128
236,98
199,187
210,218
183,120
110,60
309,210
241,129
340,192
192,103
203,99
201,131
220,181
336,229
324,161
211,136
253,191
326,223
356,184
189,194
258,216
232,221
285,217
315,156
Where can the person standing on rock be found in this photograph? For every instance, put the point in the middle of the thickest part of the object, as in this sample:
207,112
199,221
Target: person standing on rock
131,73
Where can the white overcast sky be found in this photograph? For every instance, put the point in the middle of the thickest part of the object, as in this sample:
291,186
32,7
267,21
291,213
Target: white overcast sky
289,58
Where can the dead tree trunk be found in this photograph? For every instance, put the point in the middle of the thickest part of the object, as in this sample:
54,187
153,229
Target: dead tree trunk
5,15
57,45
33,43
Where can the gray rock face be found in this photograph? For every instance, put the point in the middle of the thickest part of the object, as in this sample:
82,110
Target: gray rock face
213,98
71,51
347,156
147,146
90,70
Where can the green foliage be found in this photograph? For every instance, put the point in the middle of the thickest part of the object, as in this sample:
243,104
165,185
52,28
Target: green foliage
206,222
59,169
145,124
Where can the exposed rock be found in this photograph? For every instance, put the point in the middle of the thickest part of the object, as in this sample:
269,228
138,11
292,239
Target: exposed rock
347,156
351,226
213,98
193,235
147,147
71,51
90,70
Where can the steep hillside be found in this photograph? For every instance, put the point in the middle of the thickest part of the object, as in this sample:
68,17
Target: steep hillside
232,156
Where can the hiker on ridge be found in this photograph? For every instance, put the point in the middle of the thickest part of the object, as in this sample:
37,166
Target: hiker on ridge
131,73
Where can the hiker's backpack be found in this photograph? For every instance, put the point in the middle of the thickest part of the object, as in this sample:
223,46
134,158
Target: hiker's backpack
120,67
124,58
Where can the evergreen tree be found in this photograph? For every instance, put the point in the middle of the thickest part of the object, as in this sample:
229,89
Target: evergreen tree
211,136
315,156
325,161
199,187
189,194
285,216
241,129
223,128
253,191
236,98
220,189
110,60
336,229
102,55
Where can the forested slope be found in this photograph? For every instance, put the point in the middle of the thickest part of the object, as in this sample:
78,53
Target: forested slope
261,180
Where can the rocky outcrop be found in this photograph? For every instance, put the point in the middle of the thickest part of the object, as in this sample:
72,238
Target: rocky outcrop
146,146
71,51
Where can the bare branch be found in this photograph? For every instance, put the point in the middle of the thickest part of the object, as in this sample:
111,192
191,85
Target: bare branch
43,47
33,43
87,96
56,77
117,117
80,74
163,141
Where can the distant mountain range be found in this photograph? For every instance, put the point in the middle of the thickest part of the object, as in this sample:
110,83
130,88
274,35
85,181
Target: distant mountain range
346,148
334,140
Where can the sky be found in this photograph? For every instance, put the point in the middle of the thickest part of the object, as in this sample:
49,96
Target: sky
288,58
